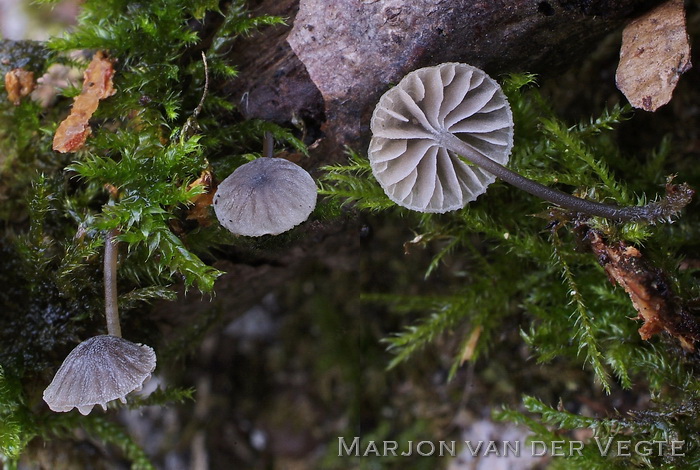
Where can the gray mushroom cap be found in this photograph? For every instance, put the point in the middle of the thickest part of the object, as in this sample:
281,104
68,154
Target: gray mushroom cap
406,152
266,196
97,371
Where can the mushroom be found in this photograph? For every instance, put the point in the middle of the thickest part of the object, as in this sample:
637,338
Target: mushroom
437,116
100,369
105,367
407,154
266,196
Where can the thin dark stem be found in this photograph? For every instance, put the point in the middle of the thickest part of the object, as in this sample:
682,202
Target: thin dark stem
554,196
268,145
110,274
191,125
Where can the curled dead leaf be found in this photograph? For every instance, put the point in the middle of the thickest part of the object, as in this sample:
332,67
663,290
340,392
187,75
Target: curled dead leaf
18,84
655,53
97,85
201,202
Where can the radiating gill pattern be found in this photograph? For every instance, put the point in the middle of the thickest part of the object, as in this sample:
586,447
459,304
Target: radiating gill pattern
408,125
99,370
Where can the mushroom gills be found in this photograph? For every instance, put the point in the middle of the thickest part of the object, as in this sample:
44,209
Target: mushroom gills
407,155
99,370
463,113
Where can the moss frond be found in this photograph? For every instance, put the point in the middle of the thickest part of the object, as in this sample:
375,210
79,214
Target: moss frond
134,174
351,184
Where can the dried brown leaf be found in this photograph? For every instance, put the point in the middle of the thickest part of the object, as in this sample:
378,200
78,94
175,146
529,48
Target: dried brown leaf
470,346
18,84
202,202
655,53
97,85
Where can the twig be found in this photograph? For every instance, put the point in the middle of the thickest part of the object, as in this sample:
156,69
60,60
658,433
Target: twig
191,126
199,107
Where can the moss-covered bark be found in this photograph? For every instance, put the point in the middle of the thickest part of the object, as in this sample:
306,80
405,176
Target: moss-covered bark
282,341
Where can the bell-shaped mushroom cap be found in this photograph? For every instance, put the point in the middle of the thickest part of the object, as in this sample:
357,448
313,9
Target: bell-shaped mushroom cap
406,153
267,196
97,371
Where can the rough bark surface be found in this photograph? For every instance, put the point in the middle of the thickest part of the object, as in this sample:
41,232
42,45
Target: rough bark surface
338,57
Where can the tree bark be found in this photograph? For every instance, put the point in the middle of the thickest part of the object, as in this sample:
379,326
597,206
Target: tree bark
329,67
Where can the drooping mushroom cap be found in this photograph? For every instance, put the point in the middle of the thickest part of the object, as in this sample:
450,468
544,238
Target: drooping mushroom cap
405,153
97,371
266,196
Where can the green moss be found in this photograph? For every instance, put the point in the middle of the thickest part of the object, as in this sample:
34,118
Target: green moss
500,267
59,207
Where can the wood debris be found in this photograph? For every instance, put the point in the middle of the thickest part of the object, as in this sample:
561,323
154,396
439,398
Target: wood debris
202,202
97,85
18,84
649,289
655,53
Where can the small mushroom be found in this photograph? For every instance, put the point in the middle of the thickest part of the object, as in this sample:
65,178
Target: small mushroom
97,371
408,157
266,196
436,117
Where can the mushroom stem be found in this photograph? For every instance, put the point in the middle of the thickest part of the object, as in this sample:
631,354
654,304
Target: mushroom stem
110,275
268,145
552,195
